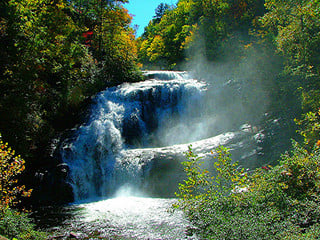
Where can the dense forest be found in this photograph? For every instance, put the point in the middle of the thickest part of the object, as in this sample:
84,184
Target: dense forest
56,54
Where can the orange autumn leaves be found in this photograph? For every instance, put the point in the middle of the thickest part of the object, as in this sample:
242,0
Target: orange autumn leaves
10,167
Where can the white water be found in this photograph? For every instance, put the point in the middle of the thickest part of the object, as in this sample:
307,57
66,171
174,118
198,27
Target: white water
135,218
122,217
129,152
130,116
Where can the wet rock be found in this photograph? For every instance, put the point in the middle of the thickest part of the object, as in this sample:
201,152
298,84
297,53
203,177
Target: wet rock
62,170
50,186
74,235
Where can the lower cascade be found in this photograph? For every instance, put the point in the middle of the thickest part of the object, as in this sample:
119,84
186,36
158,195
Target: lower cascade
137,134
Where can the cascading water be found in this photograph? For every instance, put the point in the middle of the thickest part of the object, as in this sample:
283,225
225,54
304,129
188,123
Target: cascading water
132,145
127,117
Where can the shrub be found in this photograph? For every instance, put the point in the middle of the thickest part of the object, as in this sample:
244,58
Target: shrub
280,202
310,128
13,224
16,225
10,167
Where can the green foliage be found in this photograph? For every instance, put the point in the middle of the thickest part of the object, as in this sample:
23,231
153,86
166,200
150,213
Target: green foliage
13,224
200,184
197,178
45,63
16,225
310,128
193,28
161,43
279,202
49,66
293,27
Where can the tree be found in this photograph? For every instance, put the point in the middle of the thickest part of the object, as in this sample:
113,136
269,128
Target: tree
295,27
48,69
160,11
10,167
169,25
208,28
43,68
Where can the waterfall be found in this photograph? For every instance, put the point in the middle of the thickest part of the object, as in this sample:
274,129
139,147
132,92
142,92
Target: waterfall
128,153
131,116
137,134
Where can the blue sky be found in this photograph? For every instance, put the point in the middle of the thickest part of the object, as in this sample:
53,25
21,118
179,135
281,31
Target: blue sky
143,11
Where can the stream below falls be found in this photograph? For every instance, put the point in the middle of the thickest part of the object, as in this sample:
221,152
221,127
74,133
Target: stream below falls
116,218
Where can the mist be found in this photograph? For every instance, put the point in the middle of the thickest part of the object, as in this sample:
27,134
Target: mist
239,87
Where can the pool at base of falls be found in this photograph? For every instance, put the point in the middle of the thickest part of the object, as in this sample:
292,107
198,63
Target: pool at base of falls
122,217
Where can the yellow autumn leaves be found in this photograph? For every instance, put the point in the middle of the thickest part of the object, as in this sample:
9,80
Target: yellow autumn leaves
10,167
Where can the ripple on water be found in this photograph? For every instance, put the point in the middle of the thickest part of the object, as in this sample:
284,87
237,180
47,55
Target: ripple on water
126,218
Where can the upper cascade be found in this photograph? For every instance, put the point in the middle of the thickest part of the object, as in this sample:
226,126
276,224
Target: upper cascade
167,75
